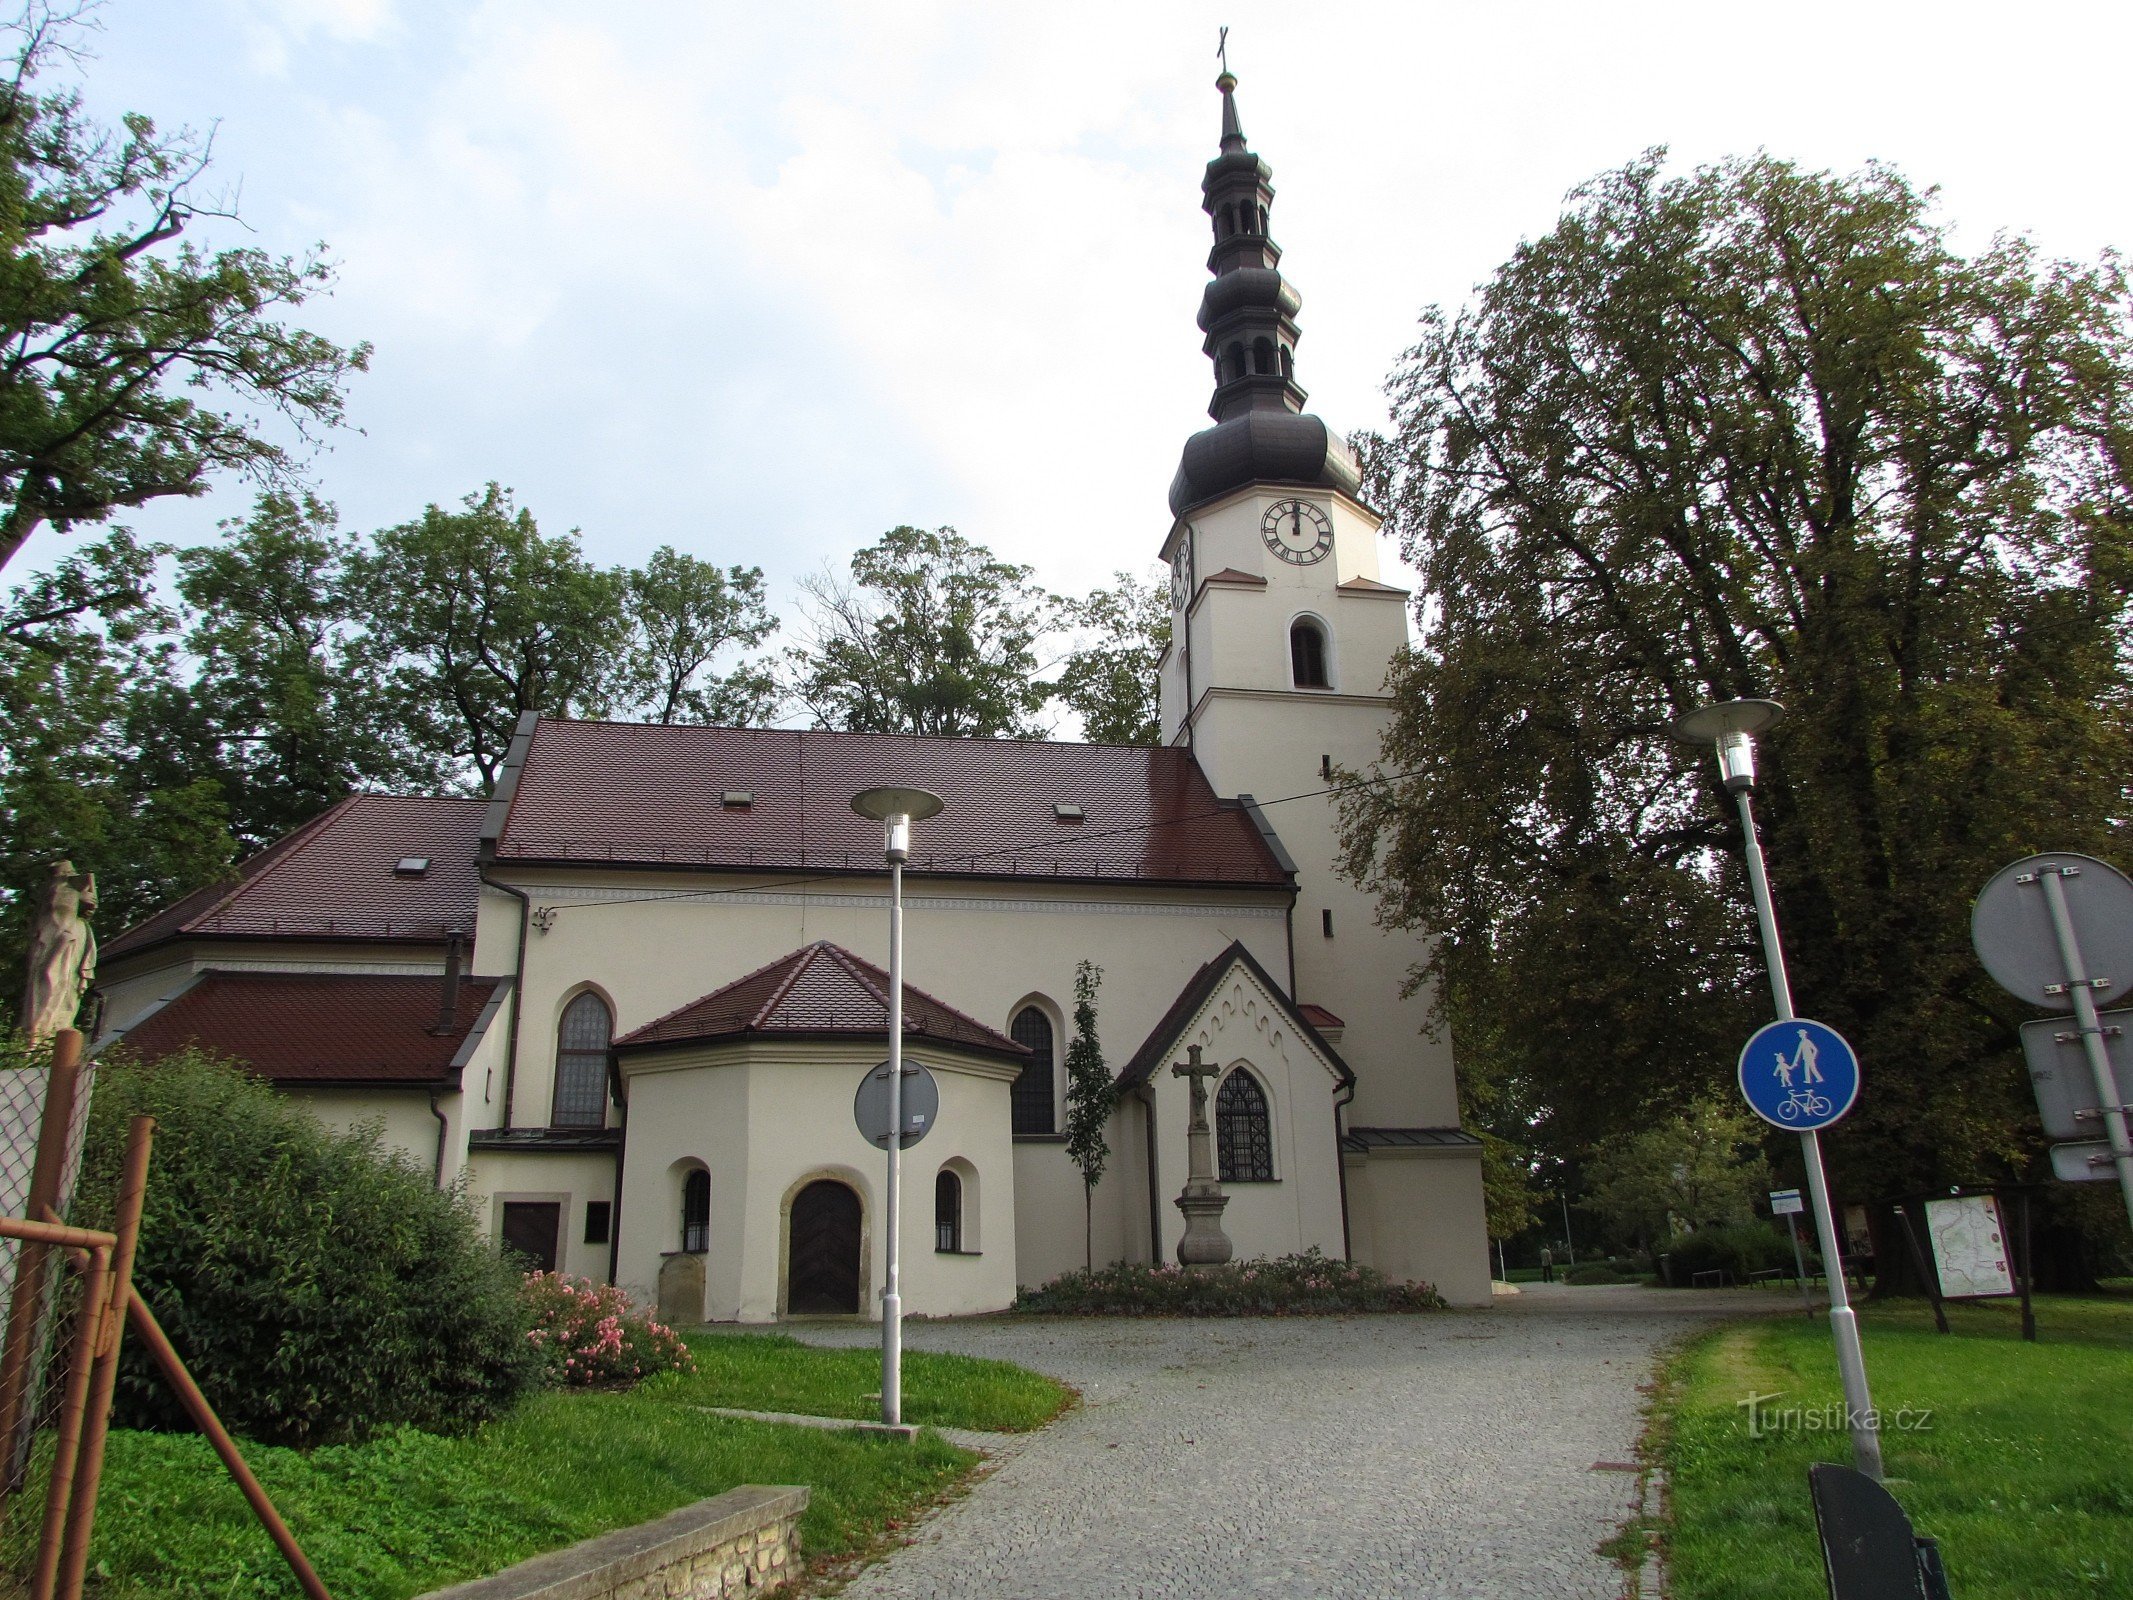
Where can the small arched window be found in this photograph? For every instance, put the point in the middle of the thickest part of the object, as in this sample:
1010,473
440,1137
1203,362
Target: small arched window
1263,355
1307,654
696,1213
1226,223
1288,362
1243,1135
948,1212
581,1063
1233,363
1033,1089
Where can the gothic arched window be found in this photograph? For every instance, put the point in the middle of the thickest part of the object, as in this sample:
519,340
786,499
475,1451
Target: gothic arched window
1033,1090
1244,1137
581,1063
696,1212
1307,654
947,1212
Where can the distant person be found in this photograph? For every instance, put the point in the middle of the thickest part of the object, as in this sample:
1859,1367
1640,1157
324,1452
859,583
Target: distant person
1547,1265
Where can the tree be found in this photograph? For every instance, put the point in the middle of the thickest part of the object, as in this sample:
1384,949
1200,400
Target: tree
283,712
125,350
932,635
683,613
1753,431
1701,1169
1089,1099
1110,680
475,616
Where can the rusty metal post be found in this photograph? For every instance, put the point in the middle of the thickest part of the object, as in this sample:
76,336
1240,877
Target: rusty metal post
204,1418
59,1484
25,1312
96,1422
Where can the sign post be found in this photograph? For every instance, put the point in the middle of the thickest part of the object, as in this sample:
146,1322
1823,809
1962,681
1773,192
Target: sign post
1786,1203
1815,1092
2057,930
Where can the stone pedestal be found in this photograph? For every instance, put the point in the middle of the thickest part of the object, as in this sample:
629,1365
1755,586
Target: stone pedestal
681,1290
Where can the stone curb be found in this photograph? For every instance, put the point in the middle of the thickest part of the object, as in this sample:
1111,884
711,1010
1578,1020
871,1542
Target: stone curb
897,1430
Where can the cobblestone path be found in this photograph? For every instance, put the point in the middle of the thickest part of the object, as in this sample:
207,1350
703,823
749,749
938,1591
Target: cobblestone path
1441,1455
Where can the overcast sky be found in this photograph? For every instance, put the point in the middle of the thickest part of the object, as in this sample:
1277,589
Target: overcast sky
763,280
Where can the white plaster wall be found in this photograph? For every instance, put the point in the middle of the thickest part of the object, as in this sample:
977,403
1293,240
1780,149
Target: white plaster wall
766,1119
574,1177
1418,1215
404,1114
1049,1236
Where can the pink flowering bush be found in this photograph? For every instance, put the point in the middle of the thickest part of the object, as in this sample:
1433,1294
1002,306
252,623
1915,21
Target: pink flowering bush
1310,1284
589,1335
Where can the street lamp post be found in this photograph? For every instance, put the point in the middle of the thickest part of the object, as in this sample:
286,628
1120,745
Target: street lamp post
1731,727
895,807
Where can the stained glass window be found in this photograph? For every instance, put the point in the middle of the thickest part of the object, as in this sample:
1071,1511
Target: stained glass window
1033,1111
581,1063
1244,1139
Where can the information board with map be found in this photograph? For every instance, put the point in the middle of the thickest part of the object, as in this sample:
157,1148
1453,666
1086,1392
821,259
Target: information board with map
1969,1247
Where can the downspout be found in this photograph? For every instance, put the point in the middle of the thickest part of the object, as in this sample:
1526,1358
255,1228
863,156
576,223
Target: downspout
518,991
1341,1097
1145,1093
614,1213
444,1130
1288,920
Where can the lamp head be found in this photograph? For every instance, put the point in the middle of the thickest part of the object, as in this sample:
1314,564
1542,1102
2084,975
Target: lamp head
1731,726
896,807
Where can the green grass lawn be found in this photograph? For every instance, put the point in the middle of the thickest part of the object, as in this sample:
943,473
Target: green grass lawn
409,1512
770,1372
2024,1470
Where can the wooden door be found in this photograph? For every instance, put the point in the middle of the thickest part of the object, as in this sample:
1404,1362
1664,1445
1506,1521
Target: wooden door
823,1270
533,1229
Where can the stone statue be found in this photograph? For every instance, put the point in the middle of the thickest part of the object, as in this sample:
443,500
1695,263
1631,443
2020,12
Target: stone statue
1204,1243
62,952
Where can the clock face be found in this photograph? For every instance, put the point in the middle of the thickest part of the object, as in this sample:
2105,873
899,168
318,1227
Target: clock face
1181,568
1297,531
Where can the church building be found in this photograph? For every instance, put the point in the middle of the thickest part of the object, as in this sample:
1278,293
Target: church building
628,999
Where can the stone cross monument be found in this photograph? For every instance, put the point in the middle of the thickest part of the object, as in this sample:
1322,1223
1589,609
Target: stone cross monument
62,952
1204,1243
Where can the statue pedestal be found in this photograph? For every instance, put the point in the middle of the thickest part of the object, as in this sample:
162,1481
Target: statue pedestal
1204,1244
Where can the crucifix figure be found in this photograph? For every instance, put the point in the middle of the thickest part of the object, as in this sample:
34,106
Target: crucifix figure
1204,1243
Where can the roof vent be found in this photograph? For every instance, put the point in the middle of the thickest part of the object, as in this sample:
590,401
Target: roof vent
412,867
741,800
1065,811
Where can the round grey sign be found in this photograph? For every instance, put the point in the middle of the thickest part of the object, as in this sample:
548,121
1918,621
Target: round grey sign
922,1105
2011,928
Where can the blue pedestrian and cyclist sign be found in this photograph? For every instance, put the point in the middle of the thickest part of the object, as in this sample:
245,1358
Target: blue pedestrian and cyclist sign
1799,1075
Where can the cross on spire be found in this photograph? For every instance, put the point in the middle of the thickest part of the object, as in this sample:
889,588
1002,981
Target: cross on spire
1222,49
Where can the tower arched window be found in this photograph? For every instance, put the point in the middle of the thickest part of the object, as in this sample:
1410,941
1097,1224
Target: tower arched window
1307,654
1244,1134
696,1212
947,1212
1226,223
1288,362
581,1063
1233,362
1263,355
1033,1098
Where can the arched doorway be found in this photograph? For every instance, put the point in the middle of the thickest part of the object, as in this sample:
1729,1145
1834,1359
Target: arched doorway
823,1265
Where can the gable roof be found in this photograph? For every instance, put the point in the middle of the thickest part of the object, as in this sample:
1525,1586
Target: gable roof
1162,1040
819,991
333,878
319,1027
652,795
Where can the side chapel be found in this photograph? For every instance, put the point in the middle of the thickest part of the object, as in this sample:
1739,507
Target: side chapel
628,998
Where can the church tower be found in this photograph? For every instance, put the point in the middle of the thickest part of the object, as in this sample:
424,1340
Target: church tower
1282,635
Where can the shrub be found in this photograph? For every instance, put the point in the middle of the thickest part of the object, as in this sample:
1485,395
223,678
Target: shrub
319,1286
1598,1273
1737,1250
589,1334
1307,1285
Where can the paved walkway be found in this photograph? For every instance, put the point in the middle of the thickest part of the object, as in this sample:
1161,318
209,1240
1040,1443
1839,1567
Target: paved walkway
1442,1455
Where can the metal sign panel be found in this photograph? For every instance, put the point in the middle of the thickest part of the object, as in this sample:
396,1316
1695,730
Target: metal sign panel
2065,1084
1786,1203
2084,1163
2011,928
922,1105
1969,1247
1799,1075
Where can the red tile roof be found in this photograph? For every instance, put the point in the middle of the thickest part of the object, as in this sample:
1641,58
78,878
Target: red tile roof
333,878
1318,1016
651,794
312,1027
821,990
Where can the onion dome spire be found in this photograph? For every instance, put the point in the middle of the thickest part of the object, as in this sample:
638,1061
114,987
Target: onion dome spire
1248,314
